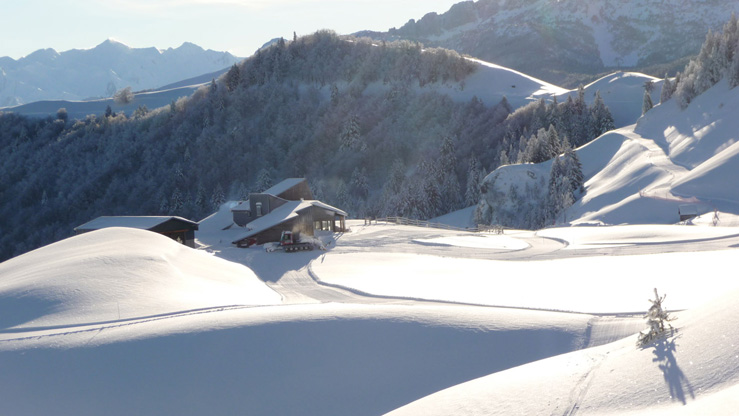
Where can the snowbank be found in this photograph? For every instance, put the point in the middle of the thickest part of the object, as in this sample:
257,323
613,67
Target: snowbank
116,274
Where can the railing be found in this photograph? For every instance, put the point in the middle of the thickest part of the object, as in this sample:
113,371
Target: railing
494,229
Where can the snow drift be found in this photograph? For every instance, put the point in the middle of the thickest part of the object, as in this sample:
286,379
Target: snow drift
119,273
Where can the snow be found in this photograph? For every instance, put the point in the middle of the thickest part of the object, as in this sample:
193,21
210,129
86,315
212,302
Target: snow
98,319
405,320
489,282
119,273
491,82
499,242
690,371
283,186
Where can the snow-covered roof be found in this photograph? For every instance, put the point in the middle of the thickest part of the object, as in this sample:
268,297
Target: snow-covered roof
283,186
143,223
282,214
241,206
328,207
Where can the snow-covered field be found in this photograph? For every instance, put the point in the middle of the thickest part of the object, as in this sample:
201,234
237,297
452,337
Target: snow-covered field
389,319
407,320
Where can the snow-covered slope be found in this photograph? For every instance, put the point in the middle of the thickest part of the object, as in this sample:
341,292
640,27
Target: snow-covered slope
119,274
643,173
622,92
80,109
190,337
99,72
693,371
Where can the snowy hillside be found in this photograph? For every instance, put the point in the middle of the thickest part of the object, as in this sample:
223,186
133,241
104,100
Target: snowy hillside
83,74
80,109
671,157
98,319
623,93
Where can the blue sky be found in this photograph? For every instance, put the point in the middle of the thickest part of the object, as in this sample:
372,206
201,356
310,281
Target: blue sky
238,26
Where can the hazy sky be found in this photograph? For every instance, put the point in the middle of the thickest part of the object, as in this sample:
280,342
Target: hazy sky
238,26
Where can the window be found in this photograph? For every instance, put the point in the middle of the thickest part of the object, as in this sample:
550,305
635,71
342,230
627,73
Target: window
259,209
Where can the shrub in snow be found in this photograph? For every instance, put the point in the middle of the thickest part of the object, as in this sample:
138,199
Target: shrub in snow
656,318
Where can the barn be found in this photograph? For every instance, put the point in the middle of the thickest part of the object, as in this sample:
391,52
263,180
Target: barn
176,228
287,206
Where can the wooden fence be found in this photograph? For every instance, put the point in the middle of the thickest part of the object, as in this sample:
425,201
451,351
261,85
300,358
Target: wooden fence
493,229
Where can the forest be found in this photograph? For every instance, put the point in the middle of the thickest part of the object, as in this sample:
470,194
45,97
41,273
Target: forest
349,114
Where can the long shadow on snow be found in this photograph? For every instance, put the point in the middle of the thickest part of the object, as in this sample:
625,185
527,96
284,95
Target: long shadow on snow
677,382
336,366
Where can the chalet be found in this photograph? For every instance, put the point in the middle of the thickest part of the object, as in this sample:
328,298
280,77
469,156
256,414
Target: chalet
287,206
176,228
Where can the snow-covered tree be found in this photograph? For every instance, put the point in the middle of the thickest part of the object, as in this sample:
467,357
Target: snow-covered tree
647,102
601,118
350,138
233,78
656,319
218,197
264,180
123,96
667,90
474,178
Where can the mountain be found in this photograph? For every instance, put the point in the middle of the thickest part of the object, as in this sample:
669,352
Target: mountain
552,40
100,71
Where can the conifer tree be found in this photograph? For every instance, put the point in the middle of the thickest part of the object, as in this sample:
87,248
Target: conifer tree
601,118
233,78
656,318
474,177
667,90
264,180
647,103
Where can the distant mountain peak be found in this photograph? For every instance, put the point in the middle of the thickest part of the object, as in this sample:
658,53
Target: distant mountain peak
79,74
111,43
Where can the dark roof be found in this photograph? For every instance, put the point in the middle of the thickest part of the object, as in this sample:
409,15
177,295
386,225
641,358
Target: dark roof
143,223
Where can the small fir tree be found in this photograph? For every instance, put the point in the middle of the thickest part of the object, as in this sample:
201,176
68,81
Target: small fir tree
656,318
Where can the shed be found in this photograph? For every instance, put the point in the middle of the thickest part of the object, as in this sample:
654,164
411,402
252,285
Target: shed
176,228
687,212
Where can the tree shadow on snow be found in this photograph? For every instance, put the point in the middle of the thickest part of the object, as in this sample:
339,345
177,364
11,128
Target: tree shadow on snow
678,383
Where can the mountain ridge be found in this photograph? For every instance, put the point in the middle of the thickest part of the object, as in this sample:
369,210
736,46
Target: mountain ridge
550,39
81,74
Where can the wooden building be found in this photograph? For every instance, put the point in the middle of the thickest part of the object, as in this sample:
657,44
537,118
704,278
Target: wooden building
177,228
287,206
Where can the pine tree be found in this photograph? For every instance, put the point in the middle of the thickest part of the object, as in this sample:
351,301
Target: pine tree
233,78
176,201
553,142
667,90
444,174
350,138
474,178
264,180
218,197
601,118
647,102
